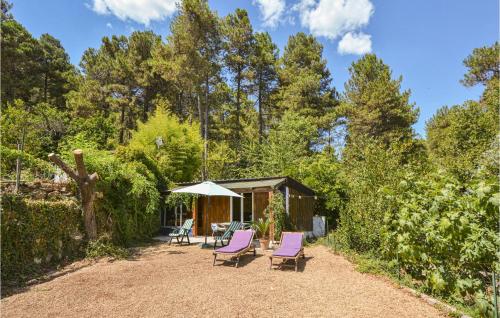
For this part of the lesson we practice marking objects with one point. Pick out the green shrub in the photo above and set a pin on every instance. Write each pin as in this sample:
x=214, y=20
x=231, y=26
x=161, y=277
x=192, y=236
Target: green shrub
x=130, y=198
x=103, y=247
x=32, y=167
x=37, y=234
x=444, y=233
x=368, y=169
x=175, y=147
x=132, y=176
x=262, y=227
x=281, y=222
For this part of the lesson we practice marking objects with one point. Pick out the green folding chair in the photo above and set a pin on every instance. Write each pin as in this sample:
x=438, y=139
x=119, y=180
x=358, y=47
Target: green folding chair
x=233, y=226
x=182, y=232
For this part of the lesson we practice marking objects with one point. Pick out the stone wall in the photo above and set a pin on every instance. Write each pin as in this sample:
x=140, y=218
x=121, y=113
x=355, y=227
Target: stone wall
x=41, y=189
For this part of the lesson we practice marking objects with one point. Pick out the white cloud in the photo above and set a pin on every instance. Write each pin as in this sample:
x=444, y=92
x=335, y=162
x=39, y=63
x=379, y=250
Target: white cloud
x=143, y=11
x=271, y=11
x=333, y=18
x=355, y=43
x=109, y=25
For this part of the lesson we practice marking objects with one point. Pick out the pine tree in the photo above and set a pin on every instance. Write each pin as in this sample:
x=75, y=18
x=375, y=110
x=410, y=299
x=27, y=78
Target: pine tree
x=126, y=84
x=459, y=137
x=305, y=81
x=374, y=104
x=57, y=71
x=196, y=43
x=238, y=44
x=265, y=76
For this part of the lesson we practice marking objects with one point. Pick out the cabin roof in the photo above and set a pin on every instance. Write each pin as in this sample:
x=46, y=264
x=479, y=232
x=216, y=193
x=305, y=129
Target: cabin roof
x=254, y=183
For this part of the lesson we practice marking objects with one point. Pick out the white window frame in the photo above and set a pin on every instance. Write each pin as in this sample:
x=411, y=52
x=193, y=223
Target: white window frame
x=241, y=207
x=241, y=210
x=231, y=210
x=287, y=200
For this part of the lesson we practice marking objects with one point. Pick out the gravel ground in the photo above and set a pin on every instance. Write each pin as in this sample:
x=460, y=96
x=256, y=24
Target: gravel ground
x=181, y=282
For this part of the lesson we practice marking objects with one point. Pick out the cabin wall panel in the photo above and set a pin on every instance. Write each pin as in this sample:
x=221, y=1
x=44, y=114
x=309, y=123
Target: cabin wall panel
x=218, y=213
x=301, y=210
x=261, y=201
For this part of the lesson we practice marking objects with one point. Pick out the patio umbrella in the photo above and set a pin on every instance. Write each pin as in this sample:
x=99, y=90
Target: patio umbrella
x=209, y=189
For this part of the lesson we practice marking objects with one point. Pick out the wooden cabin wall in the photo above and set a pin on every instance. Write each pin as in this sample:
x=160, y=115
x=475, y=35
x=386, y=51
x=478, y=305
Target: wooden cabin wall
x=218, y=213
x=260, y=203
x=301, y=211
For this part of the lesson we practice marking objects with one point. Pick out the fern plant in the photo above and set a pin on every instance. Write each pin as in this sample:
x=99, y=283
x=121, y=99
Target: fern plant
x=262, y=227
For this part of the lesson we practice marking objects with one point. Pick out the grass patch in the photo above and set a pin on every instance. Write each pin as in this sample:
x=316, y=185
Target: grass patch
x=365, y=264
x=103, y=247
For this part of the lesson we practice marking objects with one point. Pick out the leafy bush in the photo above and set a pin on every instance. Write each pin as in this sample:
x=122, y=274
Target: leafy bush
x=281, y=222
x=32, y=166
x=321, y=172
x=130, y=198
x=36, y=234
x=262, y=226
x=103, y=247
x=37, y=125
x=458, y=136
x=444, y=233
x=132, y=177
x=174, y=147
x=176, y=199
x=368, y=168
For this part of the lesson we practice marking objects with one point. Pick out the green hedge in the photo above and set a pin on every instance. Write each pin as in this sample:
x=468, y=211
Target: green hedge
x=37, y=234
x=32, y=166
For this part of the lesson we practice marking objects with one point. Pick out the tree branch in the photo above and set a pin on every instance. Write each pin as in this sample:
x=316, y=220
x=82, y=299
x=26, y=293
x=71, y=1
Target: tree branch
x=55, y=159
x=80, y=166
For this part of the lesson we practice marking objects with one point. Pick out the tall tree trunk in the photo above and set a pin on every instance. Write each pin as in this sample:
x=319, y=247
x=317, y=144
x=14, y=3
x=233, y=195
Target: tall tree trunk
x=45, y=84
x=238, y=101
x=86, y=184
x=200, y=115
x=202, y=134
x=259, y=100
x=122, y=126
x=145, y=108
x=207, y=109
x=179, y=106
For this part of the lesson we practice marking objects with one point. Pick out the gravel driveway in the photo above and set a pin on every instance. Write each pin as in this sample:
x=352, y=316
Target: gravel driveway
x=181, y=282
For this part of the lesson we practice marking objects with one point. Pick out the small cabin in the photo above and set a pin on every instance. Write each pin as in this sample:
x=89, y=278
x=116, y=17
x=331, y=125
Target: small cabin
x=256, y=194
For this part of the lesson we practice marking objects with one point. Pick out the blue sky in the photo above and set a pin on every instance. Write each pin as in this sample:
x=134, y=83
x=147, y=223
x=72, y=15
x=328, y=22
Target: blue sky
x=424, y=41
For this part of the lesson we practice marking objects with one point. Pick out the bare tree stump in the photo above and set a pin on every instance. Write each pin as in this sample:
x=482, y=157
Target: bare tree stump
x=86, y=184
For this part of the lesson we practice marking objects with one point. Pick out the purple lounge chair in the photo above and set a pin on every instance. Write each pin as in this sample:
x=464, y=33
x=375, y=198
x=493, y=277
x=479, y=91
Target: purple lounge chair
x=240, y=243
x=290, y=248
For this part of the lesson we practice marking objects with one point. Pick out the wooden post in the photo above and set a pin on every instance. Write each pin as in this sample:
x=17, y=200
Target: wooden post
x=271, y=218
x=86, y=184
x=195, y=216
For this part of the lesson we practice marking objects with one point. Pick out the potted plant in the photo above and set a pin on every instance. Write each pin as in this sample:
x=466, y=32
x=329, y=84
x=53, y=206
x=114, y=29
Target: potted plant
x=262, y=228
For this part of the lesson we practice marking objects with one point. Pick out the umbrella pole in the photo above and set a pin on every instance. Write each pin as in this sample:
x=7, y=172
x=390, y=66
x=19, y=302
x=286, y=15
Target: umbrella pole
x=206, y=221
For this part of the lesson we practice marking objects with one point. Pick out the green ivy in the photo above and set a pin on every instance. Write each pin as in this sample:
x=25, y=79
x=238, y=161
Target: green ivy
x=128, y=206
x=277, y=205
x=37, y=234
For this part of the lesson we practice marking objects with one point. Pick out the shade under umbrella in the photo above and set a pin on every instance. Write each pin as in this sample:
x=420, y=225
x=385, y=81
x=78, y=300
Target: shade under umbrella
x=209, y=189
